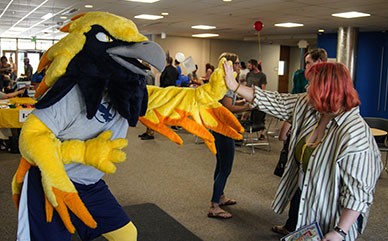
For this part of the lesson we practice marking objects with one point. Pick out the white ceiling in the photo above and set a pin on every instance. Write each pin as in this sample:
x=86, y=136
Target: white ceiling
x=234, y=20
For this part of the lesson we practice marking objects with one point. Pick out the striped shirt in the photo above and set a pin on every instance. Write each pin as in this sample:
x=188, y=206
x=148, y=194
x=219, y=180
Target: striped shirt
x=342, y=171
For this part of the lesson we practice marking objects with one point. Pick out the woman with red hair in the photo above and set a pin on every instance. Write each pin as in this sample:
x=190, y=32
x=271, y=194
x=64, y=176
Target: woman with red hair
x=333, y=160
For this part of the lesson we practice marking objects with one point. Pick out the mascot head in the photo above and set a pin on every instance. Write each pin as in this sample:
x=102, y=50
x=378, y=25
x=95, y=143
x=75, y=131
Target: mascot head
x=103, y=53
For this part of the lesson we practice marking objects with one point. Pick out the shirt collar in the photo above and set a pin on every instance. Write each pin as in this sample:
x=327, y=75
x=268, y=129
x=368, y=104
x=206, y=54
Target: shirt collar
x=341, y=117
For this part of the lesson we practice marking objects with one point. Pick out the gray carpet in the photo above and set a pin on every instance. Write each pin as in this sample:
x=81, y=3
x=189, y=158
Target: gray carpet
x=153, y=223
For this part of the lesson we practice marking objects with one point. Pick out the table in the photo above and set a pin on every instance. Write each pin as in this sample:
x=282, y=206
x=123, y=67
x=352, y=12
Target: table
x=10, y=118
x=378, y=132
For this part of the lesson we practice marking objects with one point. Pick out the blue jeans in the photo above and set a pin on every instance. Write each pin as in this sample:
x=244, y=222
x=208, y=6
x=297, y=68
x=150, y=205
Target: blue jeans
x=225, y=155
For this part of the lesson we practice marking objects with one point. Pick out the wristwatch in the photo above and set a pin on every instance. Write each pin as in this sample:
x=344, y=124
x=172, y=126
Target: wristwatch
x=340, y=231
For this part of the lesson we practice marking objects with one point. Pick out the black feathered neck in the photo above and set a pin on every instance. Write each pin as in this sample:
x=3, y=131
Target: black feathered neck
x=94, y=71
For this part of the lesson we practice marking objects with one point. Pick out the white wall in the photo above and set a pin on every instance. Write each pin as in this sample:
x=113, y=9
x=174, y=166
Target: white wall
x=208, y=50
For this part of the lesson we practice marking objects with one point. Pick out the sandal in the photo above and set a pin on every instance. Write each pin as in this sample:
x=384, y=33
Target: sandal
x=221, y=214
x=280, y=230
x=228, y=202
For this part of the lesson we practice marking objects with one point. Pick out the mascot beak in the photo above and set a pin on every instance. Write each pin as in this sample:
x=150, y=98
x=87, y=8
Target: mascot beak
x=130, y=56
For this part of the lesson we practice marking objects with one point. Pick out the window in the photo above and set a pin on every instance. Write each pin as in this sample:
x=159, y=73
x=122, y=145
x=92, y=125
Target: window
x=282, y=68
x=8, y=44
x=26, y=44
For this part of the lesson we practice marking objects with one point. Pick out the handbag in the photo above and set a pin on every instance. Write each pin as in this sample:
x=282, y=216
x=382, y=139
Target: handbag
x=279, y=169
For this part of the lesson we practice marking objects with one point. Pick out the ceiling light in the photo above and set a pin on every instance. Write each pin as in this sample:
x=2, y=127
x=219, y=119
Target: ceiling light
x=148, y=16
x=17, y=29
x=47, y=16
x=88, y=6
x=205, y=35
x=227, y=0
x=28, y=14
x=203, y=27
x=63, y=17
x=5, y=9
x=289, y=25
x=350, y=15
x=321, y=30
x=164, y=14
x=143, y=1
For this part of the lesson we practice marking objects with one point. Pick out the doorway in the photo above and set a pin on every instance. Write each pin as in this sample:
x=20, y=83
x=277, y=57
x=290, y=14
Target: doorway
x=284, y=65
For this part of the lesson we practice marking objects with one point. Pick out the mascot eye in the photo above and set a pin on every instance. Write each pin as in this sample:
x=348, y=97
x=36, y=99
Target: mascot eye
x=103, y=37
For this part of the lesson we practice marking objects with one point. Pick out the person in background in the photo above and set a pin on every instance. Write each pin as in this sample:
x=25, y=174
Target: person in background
x=194, y=80
x=243, y=73
x=333, y=161
x=255, y=75
x=225, y=151
x=209, y=70
x=150, y=80
x=4, y=96
x=27, y=70
x=169, y=75
x=178, y=67
x=258, y=78
x=299, y=80
x=14, y=69
x=5, y=71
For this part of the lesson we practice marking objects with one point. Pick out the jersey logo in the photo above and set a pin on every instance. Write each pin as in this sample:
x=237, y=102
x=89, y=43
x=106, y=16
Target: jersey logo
x=105, y=113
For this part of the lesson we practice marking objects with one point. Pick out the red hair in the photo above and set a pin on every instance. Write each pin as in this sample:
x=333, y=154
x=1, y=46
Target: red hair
x=331, y=88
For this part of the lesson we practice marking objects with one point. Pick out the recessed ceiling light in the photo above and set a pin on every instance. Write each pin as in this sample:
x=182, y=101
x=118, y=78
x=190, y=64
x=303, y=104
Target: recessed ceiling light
x=321, y=30
x=164, y=14
x=227, y=0
x=88, y=6
x=63, y=17
x=350, y=15
x=148, y=16
x=17, y=29
x=205, y=35
x=203, y=27
x=47, y=16
x=143, y=1
x=289, y=25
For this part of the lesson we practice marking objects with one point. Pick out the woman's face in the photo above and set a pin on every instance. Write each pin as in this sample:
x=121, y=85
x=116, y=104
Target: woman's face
x=236, y=66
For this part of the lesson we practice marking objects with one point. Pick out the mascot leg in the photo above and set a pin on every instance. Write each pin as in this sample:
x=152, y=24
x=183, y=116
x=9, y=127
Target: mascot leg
x=32, y=223
x=126, y=233
x=97, y=197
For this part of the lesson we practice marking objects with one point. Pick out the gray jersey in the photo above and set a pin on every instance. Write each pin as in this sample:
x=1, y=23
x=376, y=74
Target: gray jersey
x=67, y=120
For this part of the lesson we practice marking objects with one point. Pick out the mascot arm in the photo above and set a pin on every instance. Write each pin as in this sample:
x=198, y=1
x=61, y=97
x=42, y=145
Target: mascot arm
x=40, y=147
x=193, y=109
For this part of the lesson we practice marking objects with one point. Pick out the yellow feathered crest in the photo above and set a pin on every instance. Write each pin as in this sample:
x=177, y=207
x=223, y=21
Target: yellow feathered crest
x=56, y=59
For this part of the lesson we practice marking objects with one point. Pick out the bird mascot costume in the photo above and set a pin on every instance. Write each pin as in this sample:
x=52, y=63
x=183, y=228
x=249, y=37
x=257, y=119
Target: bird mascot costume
x=93, y=90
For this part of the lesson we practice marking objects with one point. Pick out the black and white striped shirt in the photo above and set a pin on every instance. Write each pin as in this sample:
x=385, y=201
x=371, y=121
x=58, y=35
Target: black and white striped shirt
x=342, y=171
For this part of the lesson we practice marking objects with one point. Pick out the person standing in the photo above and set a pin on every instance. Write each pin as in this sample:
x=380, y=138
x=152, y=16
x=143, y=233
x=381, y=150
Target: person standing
x=255, y=75
x=333, y=161
x=5, y=71
x=243, y=72
x=169, y=75
x=150, y=80
x=225, y=151
x=312, y=58
x=258, y=78
x=14, y=69
x=27, y=69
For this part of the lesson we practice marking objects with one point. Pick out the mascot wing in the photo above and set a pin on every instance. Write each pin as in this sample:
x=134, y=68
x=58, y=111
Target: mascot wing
x=193, y=109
